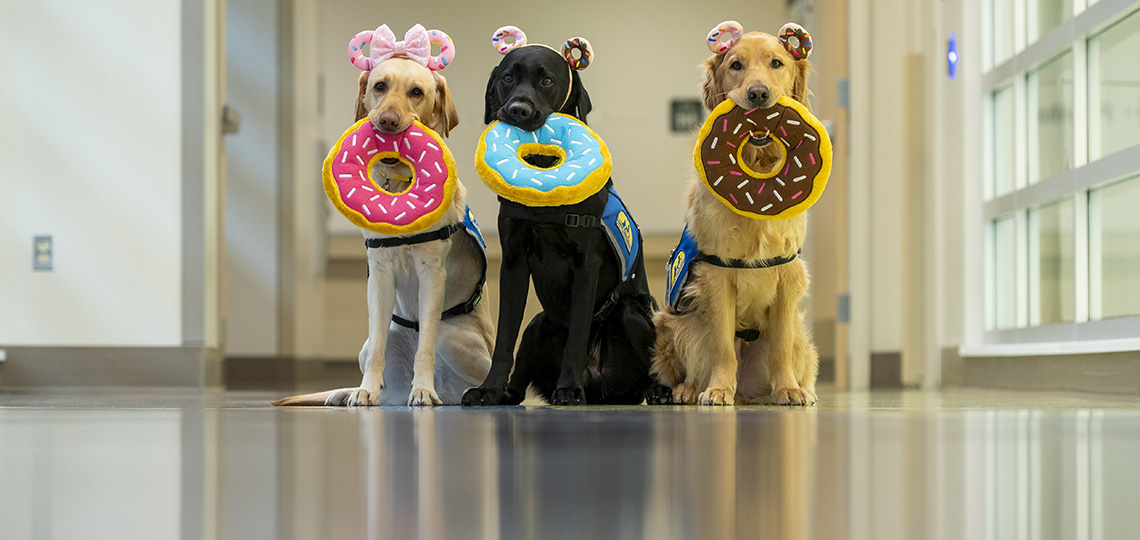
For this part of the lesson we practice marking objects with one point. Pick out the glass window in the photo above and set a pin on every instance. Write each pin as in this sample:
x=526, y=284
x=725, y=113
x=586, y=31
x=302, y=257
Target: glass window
x=1004, y=280
x=1051, y=287
x=1114, y=88
x=1002, y=174
x=1114, y=250
x=1045, y=15
x=1003, y=30
x=1050, y=103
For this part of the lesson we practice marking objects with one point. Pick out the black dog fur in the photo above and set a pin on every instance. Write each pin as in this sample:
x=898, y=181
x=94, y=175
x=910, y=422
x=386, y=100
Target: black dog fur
x=569, y=357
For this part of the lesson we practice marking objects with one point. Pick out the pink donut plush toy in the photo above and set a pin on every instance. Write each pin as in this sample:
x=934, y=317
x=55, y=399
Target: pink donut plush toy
x=347, y=170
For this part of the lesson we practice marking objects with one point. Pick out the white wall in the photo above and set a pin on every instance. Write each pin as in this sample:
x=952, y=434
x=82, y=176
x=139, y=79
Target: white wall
x=90, y=141
x=252, y=179
x=646, y=54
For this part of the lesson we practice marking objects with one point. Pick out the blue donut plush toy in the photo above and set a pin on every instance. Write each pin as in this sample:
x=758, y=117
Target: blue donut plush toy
x=582, y=166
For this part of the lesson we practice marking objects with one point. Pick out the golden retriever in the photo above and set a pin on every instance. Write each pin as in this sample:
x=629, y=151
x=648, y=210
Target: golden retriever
x=696, y=354
x=417, y=282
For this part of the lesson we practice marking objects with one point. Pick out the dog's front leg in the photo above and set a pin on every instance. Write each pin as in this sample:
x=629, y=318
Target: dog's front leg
x=570, y=389
x=720, y=329
x=782, y=321
x=432, y=274
x=514, y=286
x=381, y=302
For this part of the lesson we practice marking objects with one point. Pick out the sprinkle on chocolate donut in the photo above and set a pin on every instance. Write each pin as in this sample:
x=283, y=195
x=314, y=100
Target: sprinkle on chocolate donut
x=784, y=193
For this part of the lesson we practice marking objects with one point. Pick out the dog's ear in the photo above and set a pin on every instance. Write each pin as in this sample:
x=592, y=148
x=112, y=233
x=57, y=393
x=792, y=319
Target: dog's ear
x=711, y=94
x=361, y=109
x=491, y=101
x=444, y=116
x=578, y=104
x=800, y=90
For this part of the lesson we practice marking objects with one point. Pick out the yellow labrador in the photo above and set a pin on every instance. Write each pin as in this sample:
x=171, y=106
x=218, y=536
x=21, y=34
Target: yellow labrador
x=417, y=282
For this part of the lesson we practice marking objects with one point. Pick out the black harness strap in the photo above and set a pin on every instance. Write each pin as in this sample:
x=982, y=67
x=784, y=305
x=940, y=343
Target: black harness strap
x=421, y=238
x=738, y=263
x=439, y=234
x=750, y=334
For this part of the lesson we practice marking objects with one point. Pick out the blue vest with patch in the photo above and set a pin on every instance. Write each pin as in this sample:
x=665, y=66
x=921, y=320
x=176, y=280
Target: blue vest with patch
x=677, y=271
x=623, y=233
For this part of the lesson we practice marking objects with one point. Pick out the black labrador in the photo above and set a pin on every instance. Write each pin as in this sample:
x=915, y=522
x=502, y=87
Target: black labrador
x=592, y=342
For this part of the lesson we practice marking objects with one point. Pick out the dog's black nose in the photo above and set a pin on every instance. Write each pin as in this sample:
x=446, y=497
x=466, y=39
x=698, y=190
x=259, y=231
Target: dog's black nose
x=758, y=95
x=388, y=121
x=519, y=112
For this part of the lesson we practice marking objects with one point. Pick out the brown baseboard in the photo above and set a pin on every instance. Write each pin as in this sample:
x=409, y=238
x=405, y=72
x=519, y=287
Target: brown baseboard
x=886, y=369
x=111, y=366
x=288, y=374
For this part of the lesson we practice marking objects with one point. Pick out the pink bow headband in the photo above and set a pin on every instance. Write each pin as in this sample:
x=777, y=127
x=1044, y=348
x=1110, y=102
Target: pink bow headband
x=416, y=46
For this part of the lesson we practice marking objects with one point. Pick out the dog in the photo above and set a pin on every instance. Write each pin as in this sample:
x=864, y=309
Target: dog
x=417, y=282
x=591, y=343
x=696, y=356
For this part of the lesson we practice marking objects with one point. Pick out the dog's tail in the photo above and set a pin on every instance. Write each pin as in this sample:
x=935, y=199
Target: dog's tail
x=667, y=367
x=318, y=399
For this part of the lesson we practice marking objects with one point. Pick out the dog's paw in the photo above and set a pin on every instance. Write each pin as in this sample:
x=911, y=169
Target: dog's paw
x=362, y=398
x=716, y=396
x=792, y=396
x=568, y=395
x=659, y=394
x=512, y=397
x=479, y=396
x=339, y=398
x=421, y=397
x=684, y=394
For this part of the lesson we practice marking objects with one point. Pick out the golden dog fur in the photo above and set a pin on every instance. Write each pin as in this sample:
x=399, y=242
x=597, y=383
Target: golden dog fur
x=696, y=354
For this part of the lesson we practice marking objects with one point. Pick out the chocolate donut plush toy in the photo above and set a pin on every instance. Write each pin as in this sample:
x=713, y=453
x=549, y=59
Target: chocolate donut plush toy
x=801, y=177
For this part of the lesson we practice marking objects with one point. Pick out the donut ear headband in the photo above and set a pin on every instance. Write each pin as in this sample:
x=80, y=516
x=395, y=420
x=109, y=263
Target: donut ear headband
x=792, y=36
x=577, y=43
x=416, y=46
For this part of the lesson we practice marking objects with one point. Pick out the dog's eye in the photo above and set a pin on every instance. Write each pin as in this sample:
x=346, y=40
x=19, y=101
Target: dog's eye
x=547, y=81
x=416, y=92
x=380, y=87
x=776, y=63
x=508, y=79
x=737, y=65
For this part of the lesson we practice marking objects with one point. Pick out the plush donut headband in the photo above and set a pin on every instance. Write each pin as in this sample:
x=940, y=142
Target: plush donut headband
x=580, y=44
x=793, y=37
x=416, y=46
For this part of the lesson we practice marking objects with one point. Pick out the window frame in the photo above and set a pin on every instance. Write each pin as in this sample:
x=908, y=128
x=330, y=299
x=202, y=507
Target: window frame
x=1072, y=36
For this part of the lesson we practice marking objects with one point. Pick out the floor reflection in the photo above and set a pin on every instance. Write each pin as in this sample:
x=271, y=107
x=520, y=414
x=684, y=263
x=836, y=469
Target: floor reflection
x=869, y=466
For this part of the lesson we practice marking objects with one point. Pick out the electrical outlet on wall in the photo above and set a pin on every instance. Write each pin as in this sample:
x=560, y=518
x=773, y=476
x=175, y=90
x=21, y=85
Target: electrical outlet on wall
x=42, y=257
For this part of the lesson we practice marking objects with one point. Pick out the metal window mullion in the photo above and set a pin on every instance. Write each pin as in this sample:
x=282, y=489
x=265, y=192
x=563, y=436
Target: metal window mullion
x=1034, y=262
x=1020, y=132
x=990, y=282
x=1019, y=28
x=1095, y=256
x=1080, y=104
x=1081, y=255
x=1021, y=241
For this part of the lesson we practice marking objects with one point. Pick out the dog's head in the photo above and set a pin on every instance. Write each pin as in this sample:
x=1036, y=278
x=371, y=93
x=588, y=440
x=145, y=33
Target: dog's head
x=533, y=81
x=754, y=70
x=401, y=82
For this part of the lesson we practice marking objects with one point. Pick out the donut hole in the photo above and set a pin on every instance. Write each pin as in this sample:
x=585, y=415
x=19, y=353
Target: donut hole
x=576, y=53
x=542, y=156
x=380, y=172
x=509, y=40
x=436, y=49
x=794, y=41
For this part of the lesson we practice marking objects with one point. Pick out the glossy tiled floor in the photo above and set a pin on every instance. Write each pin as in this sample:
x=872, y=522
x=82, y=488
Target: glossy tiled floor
x=951, y=465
